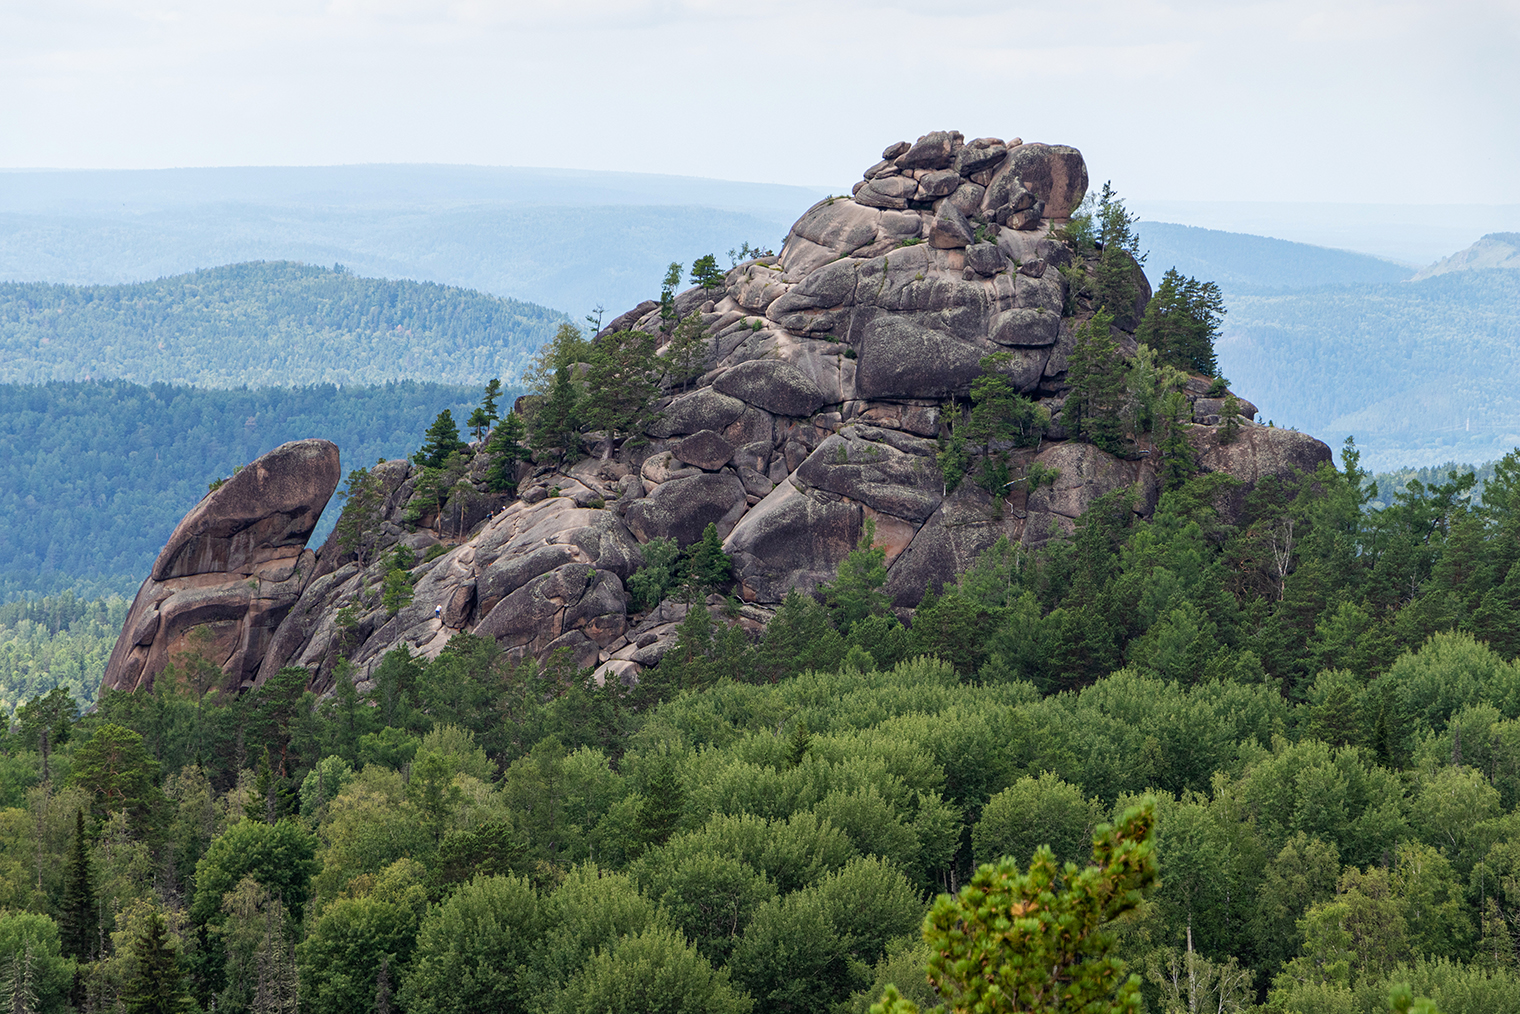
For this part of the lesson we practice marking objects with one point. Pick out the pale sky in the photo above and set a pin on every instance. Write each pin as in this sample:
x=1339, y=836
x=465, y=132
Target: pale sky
x=1286, y=100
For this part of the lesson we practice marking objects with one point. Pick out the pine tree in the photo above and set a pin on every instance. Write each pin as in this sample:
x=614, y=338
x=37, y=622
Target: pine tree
x=77, y=920
x=506, y=449
x=705, y=272
x=708, y=567
x=557, y=423
x=621, y=393
x=1182, y=323
x=1096, y=376
x=856, y=591
x=441, y=440
x=488, y=402
x=157, y=983
x=566, y=348
x=1119, y=259
x=668, y=316
x=363, y=498
x=690, y=348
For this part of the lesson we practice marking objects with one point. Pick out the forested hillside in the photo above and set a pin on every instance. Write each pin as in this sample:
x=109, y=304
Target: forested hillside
x=94, y=476
x=266, y=324
x=1242, y=263
x=1322, y=699
x=1418, y=372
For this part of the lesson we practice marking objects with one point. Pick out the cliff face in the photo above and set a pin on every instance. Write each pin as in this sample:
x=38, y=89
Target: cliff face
x=832, y=369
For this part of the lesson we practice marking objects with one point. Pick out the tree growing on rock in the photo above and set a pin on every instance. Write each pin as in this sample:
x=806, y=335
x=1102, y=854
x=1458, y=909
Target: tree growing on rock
x=706, y=273
x=689, y=350
x=506, y=449
x=1096, y=376
x=566, y=348
x=856, y=592
x=441, y=440
x=557, y=423
x=1001, y=416
x=363, y=498
x=1119, y=257
x=1182, y=323
x=620, y=391
x=668, y=316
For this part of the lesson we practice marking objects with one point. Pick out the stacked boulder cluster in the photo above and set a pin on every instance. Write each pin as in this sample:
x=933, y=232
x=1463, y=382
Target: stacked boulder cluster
x=835, y=370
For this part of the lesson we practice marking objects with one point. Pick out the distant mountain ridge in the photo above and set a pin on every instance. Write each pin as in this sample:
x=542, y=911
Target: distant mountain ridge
x=1245, y=263
x=1496, y=250
x=272, y=324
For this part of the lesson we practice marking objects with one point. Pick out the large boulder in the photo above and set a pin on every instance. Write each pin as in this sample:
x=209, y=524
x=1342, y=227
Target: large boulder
x=231, y=570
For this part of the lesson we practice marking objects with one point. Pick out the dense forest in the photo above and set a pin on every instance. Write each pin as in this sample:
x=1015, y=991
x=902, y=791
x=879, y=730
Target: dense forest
x=276, y=324
x=1419, y=372
x=94, y=476
x=1320, y=697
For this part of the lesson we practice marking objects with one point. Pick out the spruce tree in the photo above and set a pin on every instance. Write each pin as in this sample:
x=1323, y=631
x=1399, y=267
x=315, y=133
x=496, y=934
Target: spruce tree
x=708, y=567
x=363, y=498
x=690, y=348
x=441, y=440
x=77, y=920
x=157, y=983
x=1119, y=259
x=705, y=272
x=557, y=423
x=1182, y=323
x=1096, y=377
x=506, y=450
x=856, y=591
x=668, y=316
x=621, y=393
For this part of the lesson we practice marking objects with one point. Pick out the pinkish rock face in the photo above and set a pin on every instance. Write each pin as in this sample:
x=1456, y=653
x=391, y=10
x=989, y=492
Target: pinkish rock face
x=232, y=569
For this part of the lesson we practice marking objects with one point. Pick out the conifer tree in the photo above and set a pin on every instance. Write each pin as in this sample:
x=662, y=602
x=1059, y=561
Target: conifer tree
x=668, y=316
x=856, y=591
x=689, y=350
x=77, y=920
x=506, y=449
x=620, y=392
x=1096, y=377
x=157, y=983
x=488, y=402
x=1182, y=322
x=441, y=440
x=705, y=272
x=566, y=348
x=363, y=496
x=708, y=567
x=557, y=423
x=18, y=988
x=1118, y=259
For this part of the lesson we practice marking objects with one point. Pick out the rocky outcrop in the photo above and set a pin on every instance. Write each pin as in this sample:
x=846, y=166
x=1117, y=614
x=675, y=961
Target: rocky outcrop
x=231, y=571
x=836, y=367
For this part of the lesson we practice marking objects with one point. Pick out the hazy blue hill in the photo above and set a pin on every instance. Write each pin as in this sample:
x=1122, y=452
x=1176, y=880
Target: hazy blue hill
x=1242, y=263
x=266, y=324
x=94, y=477
x=563, y=238
x=1419, y=372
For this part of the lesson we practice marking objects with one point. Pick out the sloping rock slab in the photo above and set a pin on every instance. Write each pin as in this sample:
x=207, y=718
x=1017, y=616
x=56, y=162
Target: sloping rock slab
x=773, y=385
x=682, y=508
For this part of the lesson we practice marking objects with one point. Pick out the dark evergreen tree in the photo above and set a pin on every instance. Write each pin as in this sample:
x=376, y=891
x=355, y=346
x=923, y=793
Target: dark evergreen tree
x=856, y=591
x=1096, y=376
x=78, y=921
x=1182, y=323
x=620, y=389
x=441, y=440
x=157, y=983
x=1119, y=258
x=668, y=315
x=708, y=567
x=690, y=349
x=706, y=273
x=506, y=449
x=557, y=423
x=363, y=497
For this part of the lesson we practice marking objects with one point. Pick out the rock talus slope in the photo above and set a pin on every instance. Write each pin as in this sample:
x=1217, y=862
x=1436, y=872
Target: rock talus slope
x=833, y=369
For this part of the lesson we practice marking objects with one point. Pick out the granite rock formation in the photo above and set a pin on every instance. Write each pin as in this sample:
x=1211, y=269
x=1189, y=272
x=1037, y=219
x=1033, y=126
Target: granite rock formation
x=832, y=371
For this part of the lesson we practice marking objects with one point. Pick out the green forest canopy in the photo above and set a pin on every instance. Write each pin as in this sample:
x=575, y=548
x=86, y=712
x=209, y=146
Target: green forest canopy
x=266, y=323
x=1323, y=699
x=94, y=476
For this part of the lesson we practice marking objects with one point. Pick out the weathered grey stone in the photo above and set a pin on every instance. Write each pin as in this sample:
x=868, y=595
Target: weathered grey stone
x=1033, y=328
x=935, y=150
x=826, y=287
x=985, y=259
x=950, y=229
x=703, y=409
x=791, y=540
x=754, y=287
x=772, y=385
x=887, y=192
x=972, y=159
x=940, y=183
x=535, y=610
x=893, y=150
x=682, y=508
x=1055, y=173
x=903, y=359
x=874, y=473
x=968, y=198
x=705, y=449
